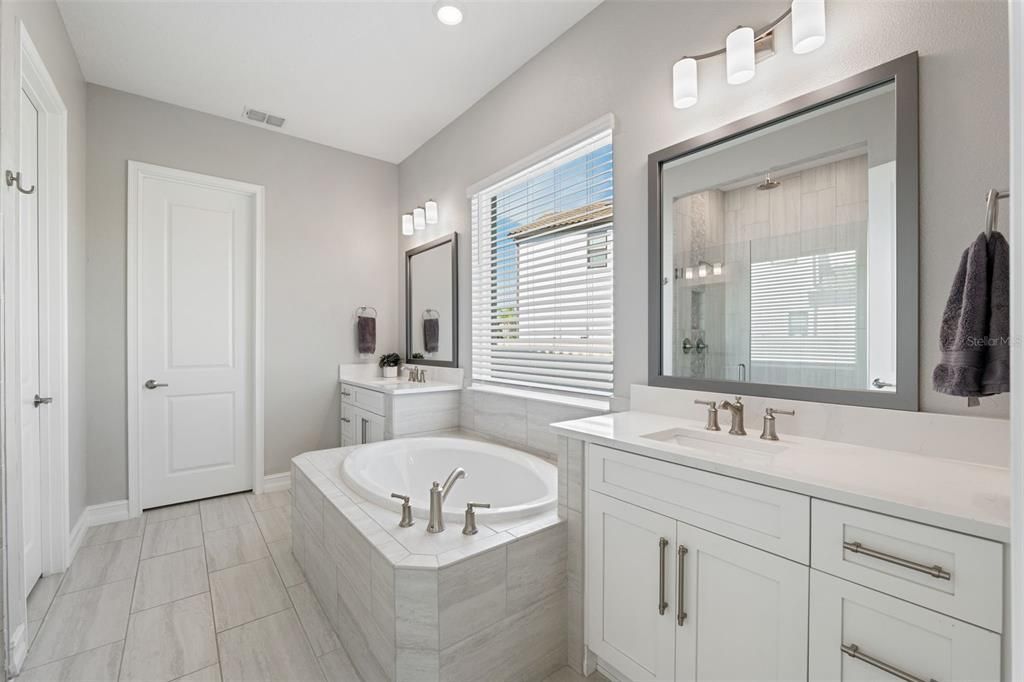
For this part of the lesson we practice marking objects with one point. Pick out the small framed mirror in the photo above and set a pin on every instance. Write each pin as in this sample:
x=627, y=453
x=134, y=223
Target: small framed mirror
x=432, y=303
x=783, y=249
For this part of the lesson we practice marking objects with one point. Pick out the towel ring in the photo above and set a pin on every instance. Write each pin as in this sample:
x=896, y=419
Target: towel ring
x=427, y=314
x=363, y=308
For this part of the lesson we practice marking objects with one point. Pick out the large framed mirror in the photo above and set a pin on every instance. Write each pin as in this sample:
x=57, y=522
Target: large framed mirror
x=784, y=249
x=432, y=303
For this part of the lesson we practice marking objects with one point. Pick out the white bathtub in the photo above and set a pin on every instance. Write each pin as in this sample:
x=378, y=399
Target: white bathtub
x=514, y=483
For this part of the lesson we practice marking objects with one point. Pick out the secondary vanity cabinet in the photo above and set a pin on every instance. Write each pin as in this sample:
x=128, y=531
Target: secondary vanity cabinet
x=396, y=410
x=697, y=576
x=363, y=415
x=669, y=600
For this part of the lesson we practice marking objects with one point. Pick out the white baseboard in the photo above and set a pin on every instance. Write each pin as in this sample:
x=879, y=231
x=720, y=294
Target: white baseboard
x=274, y=482
x=95, y=515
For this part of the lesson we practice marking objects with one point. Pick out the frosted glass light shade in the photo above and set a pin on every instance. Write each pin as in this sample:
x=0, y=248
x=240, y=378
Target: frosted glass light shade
x=684, y=83
x=739, y=56
x=407, y=228
x=808, y=25
x=419, y=219
x=430, y=208
x=448, y=13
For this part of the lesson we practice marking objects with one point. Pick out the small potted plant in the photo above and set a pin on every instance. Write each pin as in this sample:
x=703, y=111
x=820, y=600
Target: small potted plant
x=389, y=363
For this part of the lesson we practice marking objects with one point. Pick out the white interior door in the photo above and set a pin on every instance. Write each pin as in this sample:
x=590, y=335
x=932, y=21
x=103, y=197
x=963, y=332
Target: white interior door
x=195, y=334
x=28, y=225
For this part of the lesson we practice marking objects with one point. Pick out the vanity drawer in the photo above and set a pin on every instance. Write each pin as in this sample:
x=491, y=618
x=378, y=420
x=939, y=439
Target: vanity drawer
x=952, y=573
x=881, y=631
x=371, y=401
x=773, y=520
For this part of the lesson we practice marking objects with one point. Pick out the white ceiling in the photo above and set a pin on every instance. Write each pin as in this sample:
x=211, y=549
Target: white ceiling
x=377, y=78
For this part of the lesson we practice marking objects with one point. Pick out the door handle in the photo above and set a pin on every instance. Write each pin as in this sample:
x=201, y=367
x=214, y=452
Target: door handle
x=662, y=604
x=37, y=401
x=152, y=383
x=680, y=601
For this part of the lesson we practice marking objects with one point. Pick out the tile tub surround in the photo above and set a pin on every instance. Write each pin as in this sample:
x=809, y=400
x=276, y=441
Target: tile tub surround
x=411, y=606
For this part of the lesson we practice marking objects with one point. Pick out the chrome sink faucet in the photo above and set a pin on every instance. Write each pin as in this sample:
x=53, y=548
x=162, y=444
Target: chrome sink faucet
x=736, y=410
x=438, y=494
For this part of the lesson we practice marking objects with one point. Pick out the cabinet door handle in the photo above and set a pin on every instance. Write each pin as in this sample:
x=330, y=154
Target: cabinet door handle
x=662, y=604
x=933, y=571
x=680, y=599
x=853, y=651
x=362, y=430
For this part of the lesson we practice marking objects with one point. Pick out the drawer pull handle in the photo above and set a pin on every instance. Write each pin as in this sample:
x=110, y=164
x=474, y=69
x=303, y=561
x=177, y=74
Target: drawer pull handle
x=853, y=651
x=345, y=394
x=933, y=571
x=662, y=604
x=680, y=601
x=346, y=420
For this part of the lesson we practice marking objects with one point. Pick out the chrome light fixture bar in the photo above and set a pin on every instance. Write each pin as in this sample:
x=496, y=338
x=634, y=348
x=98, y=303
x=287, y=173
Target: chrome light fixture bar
x=743, y=45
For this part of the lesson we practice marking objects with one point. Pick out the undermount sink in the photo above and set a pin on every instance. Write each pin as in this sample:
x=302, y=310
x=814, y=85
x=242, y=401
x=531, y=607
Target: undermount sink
x=711, y=440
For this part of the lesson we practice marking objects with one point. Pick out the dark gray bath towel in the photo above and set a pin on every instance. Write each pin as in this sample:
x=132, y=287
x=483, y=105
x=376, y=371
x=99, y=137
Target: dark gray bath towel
x=965, y=326
x=996, y=376
x=366, y=332
x=431, y=334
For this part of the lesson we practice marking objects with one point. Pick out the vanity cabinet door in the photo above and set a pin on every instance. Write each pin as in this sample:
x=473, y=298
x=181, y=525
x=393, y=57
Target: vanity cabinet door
x=367, y=427
x=891, y=639
x=630, y=564
x=746, y=611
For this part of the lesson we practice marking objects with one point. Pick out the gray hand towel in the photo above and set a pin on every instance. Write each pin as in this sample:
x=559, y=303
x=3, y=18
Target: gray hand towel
x=996, y=375
x=965, y=326
x=366, y=333
x=431, y=334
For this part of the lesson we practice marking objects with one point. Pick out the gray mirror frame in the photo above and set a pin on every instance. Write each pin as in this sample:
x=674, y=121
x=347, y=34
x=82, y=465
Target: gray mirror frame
x=904, y=73
x=453, y=240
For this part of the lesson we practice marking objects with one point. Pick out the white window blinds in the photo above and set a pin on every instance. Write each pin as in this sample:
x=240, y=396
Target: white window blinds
x=542, y=275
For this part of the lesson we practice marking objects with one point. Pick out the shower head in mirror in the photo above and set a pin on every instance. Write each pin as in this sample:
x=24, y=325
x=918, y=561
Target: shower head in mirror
x=768, y=183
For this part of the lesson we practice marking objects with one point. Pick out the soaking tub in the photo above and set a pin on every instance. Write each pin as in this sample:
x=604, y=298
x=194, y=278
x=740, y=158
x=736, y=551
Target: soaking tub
x=514, y=483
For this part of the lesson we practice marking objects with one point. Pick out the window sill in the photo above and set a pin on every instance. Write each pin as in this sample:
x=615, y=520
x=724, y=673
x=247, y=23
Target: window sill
x=585, y=403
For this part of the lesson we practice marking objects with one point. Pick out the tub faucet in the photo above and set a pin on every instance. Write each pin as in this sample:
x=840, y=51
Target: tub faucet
x=438, y=494
x=736, y=410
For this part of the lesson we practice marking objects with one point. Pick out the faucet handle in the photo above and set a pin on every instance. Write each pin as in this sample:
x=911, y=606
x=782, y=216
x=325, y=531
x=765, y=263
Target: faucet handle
x=768, y=431
x=406, y=510
x=771, y=410
x=470, y=527
x=712, y=424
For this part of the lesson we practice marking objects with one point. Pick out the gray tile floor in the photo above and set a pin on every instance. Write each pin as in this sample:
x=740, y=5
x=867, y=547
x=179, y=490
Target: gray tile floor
x=199, y=592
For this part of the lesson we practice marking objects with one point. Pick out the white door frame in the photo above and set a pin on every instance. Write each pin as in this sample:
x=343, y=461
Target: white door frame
x=23, y=67
x=1016, y=201
x=136, y=172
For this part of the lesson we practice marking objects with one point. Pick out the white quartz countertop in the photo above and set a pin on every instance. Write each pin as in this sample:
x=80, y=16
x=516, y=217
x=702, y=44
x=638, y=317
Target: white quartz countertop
x=399, y=386
x=962, y=496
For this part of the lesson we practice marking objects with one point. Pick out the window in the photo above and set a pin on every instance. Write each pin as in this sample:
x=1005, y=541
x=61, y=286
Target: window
x=542, y=275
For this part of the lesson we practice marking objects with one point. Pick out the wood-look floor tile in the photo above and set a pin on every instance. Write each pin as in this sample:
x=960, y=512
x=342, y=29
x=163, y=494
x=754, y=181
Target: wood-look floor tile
x=337, y=666
x=174, y=511
x=224, y=512
x=275, y=523
x=169, y=577
x=278, y=498
x=247, y=592
x=169, y=641
x=109, y=532
x=96, y=665
x=101, y=564
x=269, y=649
x=175, y=535
x=80, y=621
x=211, y=674
x=42, y=594
x=235, y=545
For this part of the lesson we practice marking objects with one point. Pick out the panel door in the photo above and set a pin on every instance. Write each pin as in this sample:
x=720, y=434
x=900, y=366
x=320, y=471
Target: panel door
x=195, y=340
x=630, y=620
x=746, y=611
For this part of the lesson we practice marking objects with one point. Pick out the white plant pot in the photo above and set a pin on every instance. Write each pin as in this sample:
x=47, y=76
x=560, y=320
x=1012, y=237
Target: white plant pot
x=390, y=372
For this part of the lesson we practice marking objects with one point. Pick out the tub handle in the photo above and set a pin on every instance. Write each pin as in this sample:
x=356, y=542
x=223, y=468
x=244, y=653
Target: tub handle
x=406, y=510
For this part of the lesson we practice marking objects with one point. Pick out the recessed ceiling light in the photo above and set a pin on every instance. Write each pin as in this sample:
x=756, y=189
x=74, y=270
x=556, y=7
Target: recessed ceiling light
x=448, y=13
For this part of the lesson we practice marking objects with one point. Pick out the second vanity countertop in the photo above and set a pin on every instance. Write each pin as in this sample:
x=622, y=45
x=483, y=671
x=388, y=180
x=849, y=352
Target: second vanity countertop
x=962, y=496
x=400, y=385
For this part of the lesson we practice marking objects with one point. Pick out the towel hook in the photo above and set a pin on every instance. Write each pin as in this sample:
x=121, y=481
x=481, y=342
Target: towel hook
x=363, y=308
x=427, y=314
x=14, y=179
x=992, y=210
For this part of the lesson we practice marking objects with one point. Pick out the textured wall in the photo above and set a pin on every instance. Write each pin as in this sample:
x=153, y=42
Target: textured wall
x=619, y=58
x=331, y=229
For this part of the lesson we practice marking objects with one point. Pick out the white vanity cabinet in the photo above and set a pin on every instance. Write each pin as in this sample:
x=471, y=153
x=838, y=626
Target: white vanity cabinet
x=692, y=575
x=368, y=415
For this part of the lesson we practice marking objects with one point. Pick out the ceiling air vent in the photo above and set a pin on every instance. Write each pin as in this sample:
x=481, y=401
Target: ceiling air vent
x=262, y=117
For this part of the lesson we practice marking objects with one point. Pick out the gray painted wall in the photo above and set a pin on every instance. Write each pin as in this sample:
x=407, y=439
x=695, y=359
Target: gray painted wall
x=619, y=58
x=46, y=27
x=331, y=229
